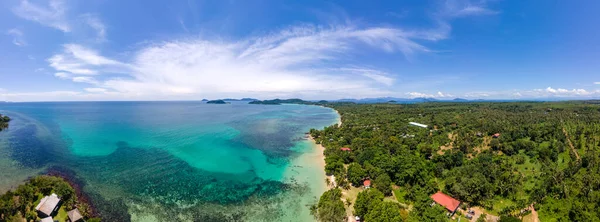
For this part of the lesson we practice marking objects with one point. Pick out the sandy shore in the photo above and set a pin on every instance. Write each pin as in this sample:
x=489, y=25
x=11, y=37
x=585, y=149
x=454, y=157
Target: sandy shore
x=318, y=158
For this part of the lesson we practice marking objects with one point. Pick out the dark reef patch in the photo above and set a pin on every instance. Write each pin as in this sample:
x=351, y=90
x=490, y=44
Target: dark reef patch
x=28, y=149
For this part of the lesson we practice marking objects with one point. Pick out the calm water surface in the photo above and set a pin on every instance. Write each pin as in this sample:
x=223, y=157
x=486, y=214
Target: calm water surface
x=155, y=161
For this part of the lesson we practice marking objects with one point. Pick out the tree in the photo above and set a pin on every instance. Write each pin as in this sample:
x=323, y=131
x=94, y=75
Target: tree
x=366, y=201
x=356, y=174
x=505, y=218
x=385, y=212
x=482, y=218
x=330, y=207
x=383, y=183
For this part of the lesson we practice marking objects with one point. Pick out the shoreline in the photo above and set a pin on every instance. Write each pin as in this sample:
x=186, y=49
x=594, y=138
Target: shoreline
x=319, y=153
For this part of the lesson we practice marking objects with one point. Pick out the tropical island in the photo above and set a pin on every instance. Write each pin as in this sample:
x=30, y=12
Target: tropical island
x=281, y=101
x=44, y=198
x=4, y=122
x=478, y=161
x=219, y=101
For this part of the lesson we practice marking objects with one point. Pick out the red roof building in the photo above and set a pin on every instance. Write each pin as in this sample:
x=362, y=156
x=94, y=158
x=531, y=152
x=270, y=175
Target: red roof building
x=448, y=202
x=345, y=149
x=367, y=183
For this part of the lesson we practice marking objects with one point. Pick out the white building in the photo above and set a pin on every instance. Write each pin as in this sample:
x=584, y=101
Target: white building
x=417, y=124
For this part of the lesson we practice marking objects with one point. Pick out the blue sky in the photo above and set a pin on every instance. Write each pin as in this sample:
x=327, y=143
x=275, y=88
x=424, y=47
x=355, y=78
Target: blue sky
x=54, y=50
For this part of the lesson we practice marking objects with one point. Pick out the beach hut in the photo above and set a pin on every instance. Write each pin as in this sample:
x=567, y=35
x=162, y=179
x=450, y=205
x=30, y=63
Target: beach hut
x=345, y=149
x=48, y=205
x=367, y=184
x=446, y=201
x=417, y=124
x=75, y=215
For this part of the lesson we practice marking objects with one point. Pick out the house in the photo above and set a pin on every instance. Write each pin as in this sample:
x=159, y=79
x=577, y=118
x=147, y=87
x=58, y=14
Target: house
x=345, y=149
x=479, y=134
x=74, y=215
x=446, y=201
x=48, y=205
x=367, y=184
x=417, y=124
x=496, y=135
x=47, y=219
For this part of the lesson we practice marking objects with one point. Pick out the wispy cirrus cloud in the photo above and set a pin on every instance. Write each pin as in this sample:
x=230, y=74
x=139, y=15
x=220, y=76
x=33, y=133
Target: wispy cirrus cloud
x=77, y=59
x=597, y=83
x=55, y=14
x=464, y=8
x=18, y=37
x=94, y=22
x=299, y=61
x=51, y=15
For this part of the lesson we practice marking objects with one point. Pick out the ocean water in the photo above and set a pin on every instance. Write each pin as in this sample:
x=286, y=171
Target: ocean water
x=172, y=161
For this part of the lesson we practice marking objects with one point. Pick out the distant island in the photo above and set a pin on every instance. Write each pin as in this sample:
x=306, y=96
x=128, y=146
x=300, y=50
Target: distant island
x=281, y=101
x=243, y=99
x=4, y=122
x=219, y=101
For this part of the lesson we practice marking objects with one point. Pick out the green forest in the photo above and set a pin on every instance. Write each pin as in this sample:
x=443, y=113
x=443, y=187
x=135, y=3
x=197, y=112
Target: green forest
x=4, y=122
x=19, y=205
x=501, y=157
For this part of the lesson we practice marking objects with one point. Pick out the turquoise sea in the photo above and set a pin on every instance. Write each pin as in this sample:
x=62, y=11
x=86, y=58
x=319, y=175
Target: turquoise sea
x=172, y=161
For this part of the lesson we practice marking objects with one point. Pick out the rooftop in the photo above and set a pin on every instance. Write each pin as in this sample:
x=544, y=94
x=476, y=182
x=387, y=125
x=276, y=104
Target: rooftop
x=417, y=124
x=48, y=204
x=448, y=202
x=367, y=183
x=74, y=215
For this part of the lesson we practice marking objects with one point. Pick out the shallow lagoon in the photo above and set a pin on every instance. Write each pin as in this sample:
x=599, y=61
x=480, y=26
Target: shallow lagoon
x=155, y=161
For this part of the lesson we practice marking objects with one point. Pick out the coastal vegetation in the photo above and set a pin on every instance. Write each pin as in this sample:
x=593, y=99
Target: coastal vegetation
x=282, y=101
x=503, y=157
x=4, y=122
x=20, y=204
x=219, y=101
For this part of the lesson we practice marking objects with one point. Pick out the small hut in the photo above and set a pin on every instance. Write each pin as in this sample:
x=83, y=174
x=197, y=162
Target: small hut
x=367, y=184
x=75, y=215
x=345, y=149
x=496, y=135
x=48, y=205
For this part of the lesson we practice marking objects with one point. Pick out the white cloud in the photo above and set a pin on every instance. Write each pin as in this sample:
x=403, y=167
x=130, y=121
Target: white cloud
x=95, y=23
x=464, y=8
x=300, y=61
x=561, y=92
x=439, y=95
x=52, y=15
x=472, y=10
x=39, y=96
x=85, y=79
x=95, y=90
x=17, y=37
x=80, y=60
x=419, y=95
x=62, y=75
x=376, y=75
x=597, y=83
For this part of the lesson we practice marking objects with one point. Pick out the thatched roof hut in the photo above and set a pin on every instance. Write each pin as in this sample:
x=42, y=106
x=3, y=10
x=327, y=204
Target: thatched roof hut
x=75, y=215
